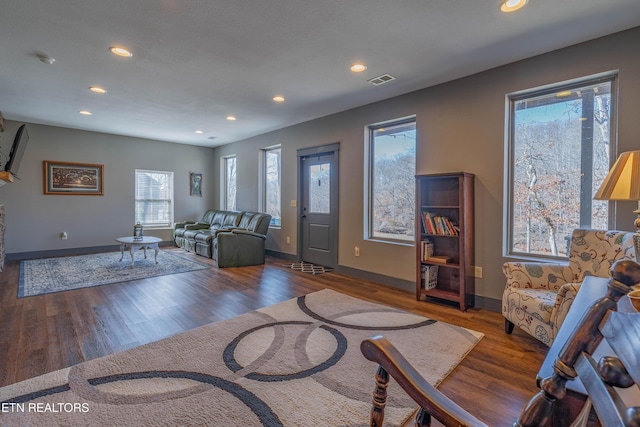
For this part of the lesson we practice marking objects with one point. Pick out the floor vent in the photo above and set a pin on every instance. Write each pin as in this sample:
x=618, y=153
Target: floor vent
x=381, y=79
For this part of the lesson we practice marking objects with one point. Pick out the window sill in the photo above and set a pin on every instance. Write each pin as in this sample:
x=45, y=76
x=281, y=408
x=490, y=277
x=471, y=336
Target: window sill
x=536, y=258
x=410, y=244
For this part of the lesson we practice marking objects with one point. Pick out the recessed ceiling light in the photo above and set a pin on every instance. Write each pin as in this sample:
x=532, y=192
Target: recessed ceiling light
x=358, y=68
x=278, y=98
x=97, y=89
x=564, y=94
x=199, y=132
x=120, y=51
x=85, y=112
x=512, y=5
x=231, y=118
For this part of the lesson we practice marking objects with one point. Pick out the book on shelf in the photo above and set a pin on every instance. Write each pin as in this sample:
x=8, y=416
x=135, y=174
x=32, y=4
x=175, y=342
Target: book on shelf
x=438, y=259
x=426, y=249
x=427, y=226
x=439, y=224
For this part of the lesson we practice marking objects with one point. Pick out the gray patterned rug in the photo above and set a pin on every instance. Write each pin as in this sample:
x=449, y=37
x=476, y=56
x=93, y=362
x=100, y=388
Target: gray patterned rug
x=47, y=275
x=297, y=363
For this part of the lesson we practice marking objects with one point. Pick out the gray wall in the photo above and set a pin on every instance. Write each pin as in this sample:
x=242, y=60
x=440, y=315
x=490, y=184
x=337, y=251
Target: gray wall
x=461, y=127
x=34, y=220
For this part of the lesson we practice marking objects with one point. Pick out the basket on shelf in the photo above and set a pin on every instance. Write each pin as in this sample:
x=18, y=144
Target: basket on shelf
x=429, y=276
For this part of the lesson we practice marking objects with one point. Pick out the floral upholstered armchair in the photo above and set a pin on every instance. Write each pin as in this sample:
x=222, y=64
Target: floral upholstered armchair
x=538, y=295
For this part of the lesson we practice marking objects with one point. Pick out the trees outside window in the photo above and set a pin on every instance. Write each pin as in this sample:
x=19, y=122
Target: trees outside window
x=154, y=198
x=271, y=202
x=559, y=153
x=229, y=183
x=392, y=169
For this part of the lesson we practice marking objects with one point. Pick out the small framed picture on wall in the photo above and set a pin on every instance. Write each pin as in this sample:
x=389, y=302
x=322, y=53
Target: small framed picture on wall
x=195, y=184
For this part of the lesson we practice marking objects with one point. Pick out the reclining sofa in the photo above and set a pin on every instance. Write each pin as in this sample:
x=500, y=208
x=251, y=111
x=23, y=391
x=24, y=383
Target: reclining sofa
x=232, y=238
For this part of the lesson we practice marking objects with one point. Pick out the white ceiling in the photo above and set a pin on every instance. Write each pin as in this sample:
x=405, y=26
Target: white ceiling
x=196, y=61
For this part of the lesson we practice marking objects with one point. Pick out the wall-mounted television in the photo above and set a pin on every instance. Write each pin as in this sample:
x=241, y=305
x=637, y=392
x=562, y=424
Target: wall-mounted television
x=17, y=150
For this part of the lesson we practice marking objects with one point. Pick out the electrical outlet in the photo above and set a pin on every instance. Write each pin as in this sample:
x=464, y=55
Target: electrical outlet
x=357, y=251
x=288, y=240
x=477, y=272
x=293, y=203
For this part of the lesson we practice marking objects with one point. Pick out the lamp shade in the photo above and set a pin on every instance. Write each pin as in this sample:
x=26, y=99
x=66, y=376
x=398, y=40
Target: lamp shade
x=623, y=180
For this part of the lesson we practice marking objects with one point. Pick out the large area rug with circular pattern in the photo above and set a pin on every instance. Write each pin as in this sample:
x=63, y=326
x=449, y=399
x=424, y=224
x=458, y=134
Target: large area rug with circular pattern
x=296, y=363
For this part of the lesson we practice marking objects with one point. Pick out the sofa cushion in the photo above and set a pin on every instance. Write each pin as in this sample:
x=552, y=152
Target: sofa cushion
x=204, y=236
x=178, y=232
x=247, y=219
x=191, y=234
x=257, y=222
x=207, y=218
x=225, y=219
x=534, y=302
x=593, y=252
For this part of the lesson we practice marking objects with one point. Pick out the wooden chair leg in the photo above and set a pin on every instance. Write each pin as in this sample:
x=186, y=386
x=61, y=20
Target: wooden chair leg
x=379, y=397
x=423, y=419
x=508, y=326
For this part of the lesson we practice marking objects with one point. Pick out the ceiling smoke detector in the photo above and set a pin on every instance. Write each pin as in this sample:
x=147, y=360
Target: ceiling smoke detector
x=385, y=78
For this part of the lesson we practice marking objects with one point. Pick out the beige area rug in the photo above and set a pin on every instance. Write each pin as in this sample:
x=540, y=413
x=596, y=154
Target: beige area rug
x=297, y=363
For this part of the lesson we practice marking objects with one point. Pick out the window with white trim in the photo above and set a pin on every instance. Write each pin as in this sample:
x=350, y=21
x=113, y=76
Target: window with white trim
x=391, y=152
x=271, y=184
x=561, y=140
x=154, y=198
x=228, y=189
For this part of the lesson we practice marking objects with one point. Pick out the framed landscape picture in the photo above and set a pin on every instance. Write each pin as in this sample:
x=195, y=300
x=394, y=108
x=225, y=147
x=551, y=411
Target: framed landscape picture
x=195, y=184
x=73, y=178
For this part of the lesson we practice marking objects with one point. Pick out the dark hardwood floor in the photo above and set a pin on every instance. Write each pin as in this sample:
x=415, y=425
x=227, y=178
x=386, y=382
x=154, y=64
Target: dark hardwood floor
x=49, y=332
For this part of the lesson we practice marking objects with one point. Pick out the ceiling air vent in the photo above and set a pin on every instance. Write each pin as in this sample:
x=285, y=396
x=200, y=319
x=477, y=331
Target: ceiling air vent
x=381, y=79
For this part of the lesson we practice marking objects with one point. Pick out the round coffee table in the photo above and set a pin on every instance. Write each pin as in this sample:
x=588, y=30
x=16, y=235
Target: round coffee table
x=131, y=244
